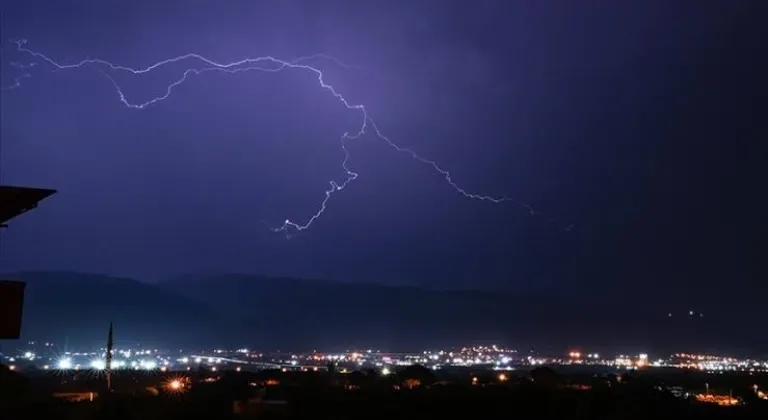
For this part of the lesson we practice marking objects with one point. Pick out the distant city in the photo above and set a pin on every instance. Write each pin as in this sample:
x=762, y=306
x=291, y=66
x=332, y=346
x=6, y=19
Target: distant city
x=174, y=369
x=50, y=356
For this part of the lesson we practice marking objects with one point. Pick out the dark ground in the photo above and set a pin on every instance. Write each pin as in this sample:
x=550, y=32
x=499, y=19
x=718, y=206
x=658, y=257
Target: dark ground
x=412, y=392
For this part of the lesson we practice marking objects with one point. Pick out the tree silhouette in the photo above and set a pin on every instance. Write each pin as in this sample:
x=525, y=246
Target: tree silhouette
x=545, y=376
x=356, y=378
x=416, y=375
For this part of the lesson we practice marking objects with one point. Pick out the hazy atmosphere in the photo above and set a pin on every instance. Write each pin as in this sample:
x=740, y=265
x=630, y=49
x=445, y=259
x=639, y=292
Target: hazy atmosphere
x=625, y=136
x=383, y=209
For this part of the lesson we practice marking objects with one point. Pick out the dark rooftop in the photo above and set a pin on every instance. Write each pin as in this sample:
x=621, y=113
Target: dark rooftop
x=15, y=201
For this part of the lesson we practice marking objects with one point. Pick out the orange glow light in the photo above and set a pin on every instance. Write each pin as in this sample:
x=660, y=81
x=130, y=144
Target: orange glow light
x=175, y=385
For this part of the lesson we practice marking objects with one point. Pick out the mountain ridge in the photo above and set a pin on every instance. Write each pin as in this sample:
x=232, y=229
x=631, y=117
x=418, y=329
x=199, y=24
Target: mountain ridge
x=270, y=312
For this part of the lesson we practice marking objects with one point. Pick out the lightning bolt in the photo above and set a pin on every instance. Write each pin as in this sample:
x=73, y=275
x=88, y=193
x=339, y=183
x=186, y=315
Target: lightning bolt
x=17, y=80
x=272, y=64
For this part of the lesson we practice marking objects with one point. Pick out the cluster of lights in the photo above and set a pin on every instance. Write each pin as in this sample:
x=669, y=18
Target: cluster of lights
x=490, y=357
x=724, y=400
x=579, y=355
x=66, y=363
x=718, y=364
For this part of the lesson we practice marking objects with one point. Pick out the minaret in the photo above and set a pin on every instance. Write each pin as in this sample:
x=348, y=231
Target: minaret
x=108, y=360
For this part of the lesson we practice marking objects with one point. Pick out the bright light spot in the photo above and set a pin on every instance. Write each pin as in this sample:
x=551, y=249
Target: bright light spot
x=11, y=367
x=65, y=363
x=237, y=369
x=198, y=360
x=175, y=385
x=29, y=355
x=385, y=371
x=502, y=377
x=99, y=364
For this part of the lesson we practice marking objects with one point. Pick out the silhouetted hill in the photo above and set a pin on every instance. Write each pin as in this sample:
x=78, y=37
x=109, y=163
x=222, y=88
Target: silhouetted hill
x=297, y=312
x=80, y=306
x=332, y=314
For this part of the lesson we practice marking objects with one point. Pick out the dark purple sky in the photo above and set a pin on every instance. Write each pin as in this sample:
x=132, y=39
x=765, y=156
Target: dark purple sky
x=638, y=122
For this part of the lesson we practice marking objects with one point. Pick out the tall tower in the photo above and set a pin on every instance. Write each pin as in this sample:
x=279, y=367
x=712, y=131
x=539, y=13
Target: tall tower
x=108, y=360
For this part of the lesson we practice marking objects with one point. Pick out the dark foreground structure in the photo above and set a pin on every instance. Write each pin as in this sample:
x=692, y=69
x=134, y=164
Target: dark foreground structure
x=11, y=308
x=15, y=201
x=411, y=393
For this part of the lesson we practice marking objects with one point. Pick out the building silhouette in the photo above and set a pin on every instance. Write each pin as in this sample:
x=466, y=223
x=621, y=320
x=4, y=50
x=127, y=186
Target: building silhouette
x=15, y=201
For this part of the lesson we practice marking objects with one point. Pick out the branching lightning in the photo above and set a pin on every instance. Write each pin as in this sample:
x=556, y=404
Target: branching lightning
x=201, y=65
x=17, y=80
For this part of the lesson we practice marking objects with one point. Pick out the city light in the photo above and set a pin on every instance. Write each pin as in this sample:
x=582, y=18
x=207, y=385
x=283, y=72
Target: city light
x=148, y=364
x=175, y=385
x=480, y=358
x=642, y=360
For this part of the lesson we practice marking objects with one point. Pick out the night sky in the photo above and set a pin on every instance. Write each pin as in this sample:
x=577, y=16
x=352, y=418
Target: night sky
x=634, y=129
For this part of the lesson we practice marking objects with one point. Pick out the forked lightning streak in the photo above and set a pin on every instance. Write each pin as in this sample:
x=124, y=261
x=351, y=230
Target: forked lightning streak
x=200, y=65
